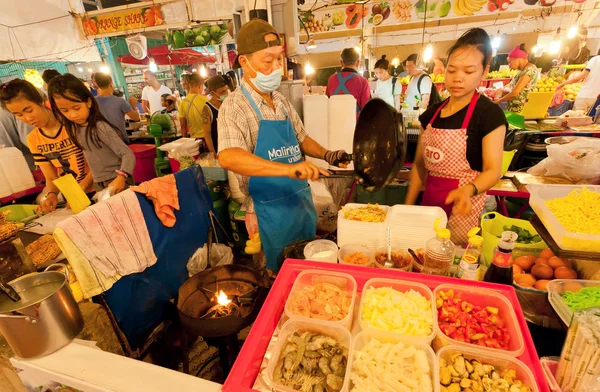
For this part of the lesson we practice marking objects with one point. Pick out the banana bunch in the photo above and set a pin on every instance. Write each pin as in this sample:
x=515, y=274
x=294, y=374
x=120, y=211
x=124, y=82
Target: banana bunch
x=253, y=245
x=468, y=7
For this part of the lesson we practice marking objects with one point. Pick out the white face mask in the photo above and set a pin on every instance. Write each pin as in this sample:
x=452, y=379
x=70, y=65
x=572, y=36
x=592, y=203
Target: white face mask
x=266, y=83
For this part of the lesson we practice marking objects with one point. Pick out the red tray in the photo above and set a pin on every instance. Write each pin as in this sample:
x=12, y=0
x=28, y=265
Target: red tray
x=247, y=366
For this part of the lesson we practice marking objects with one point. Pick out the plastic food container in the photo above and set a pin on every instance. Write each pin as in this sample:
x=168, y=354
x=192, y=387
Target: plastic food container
x=565, y=239
x=486, y=357
x=336, y=332
x=311, y=278
x=557, y=287
x=406, y=257
x=402, y=286
x=549, y=366
x=484, y=298
x=350, y=249
x=364, y=337
x=321, y=250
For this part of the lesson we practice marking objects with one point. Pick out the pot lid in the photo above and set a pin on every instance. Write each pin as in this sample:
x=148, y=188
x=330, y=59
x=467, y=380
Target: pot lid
x=32, y=289
x=379, y=144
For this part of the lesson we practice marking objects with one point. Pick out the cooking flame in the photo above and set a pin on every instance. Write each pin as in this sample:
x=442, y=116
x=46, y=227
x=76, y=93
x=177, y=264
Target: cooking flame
x=222, y=299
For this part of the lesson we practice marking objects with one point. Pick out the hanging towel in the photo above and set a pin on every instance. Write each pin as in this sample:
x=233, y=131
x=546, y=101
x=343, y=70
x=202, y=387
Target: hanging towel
x=162, y=192
x=112, y=235
x=91, y=280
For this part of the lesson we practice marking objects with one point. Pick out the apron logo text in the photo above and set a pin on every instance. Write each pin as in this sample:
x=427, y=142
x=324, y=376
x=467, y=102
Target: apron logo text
x=434, y=155
x=292, y=154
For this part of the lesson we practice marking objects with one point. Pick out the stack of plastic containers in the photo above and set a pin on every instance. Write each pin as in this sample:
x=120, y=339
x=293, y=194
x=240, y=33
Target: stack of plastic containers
x=411, y=227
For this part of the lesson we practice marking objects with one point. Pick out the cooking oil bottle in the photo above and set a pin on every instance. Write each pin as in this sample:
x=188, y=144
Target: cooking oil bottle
x=469, y=263
x=439, y=253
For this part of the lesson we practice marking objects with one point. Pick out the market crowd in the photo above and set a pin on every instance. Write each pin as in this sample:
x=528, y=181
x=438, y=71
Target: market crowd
x=70, y=126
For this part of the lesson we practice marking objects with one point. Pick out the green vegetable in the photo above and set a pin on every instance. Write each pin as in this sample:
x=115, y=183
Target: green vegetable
x=524, y=236
x=585, y=298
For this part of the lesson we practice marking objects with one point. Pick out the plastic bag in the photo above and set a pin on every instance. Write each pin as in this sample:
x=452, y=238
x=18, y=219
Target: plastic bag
x=104, y=194
x=559, y=97
x=219, y=255
x=326, y=208
x=578, y=161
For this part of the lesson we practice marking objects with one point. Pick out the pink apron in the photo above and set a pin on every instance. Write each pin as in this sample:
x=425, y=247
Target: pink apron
x=445, y=155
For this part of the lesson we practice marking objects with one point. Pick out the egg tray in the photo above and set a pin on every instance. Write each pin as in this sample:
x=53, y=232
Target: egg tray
x=247, y=367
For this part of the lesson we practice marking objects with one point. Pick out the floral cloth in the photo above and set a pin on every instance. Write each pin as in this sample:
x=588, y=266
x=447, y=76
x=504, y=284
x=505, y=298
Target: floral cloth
x=516, y=104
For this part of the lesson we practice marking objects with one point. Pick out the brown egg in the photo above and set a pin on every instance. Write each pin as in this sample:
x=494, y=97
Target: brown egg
x=565, y=273
x=542, y=284
x=572, y=287
x=517, y=270
x=542, y=260
x=547, y=253
x=556, y=262
x=525, y=262
x=542, y=271
x=527, y=279
x=526, y=285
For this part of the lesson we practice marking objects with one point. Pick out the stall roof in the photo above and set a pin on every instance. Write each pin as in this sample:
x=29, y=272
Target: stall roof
x=162, y=55
x=43, y=30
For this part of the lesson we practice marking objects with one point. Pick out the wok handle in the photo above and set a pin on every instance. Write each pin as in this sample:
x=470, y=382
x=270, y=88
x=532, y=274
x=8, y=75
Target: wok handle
x=29, y=319
x=59, y=267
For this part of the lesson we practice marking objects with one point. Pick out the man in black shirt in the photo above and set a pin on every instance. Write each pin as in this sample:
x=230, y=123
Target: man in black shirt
x=218, y=90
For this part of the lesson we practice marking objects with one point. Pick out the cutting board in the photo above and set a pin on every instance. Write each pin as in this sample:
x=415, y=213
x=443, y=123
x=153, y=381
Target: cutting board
x=521, y=180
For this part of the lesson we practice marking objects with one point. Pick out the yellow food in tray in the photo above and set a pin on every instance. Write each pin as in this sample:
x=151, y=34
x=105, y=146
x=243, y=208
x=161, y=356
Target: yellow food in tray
x=370, y=213
x=578, y=212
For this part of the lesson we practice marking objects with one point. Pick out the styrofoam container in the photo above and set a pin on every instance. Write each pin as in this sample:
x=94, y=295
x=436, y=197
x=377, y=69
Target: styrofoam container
x=479, y=297
x=402, y=286
x=313, y=248
x=565, y=239
x=310, y=278
x=349, y=249
x=336, y=332
x=556, y=289
x=364, y=337
x=342, y=215
x=411, y=227
x=486, y=357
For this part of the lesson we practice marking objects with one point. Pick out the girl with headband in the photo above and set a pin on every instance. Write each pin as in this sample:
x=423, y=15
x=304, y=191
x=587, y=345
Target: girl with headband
x=522, y=84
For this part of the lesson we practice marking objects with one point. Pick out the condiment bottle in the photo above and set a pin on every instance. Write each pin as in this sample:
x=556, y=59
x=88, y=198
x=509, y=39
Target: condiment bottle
x=501, y=271
x=439, y=253
x=469, y=263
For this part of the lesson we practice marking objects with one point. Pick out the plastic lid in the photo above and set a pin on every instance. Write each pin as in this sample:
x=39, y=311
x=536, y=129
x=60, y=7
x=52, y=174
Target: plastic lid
x=473, y=232
x=476, y=240
x=508, y=240
x=443, y=233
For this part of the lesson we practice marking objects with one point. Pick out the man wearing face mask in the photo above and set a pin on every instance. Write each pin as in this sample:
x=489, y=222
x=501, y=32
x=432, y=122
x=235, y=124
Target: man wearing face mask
x=218, y=90
x=262, y=140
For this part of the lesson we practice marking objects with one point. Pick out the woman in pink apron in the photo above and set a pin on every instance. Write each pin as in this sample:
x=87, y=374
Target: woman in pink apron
x=459, y=156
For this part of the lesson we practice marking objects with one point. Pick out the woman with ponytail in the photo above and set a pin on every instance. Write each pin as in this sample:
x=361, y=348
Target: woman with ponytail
x=388, y=87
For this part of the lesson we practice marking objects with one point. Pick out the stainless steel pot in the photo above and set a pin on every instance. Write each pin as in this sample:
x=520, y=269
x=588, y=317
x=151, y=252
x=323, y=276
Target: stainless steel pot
x=45, y=319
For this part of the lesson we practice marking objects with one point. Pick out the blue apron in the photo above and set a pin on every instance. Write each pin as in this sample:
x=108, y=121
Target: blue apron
x=283, y=206
x=343, y=90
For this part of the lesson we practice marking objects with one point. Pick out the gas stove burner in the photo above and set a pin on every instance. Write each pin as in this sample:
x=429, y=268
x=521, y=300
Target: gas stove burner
x=201, y=312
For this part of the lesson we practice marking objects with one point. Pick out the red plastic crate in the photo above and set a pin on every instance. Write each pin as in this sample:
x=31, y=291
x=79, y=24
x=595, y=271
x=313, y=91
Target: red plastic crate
x=247, y=366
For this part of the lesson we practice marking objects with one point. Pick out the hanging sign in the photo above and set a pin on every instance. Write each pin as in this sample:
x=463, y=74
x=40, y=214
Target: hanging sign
x=123, y=20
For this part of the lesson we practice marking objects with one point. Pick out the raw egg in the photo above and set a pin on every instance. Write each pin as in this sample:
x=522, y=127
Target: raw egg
x=547, y=253
x=542, y=271
x=565, y=273
x=556, y=262
x=542, y=284
x=541, y=260
x=525, y=262
x=525, y=279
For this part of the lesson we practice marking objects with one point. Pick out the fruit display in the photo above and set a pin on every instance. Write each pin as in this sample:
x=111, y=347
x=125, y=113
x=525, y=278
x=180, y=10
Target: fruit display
x=311, y=362
x=198, y=36
x=462, y=374
x=402, y=10
x=572, y=91
x=380, y=366
x=499, y=5
x=545, y=85
x=468, y=7
x=323, y=301
x=534, y=272
x=504, y=74
x=338, y=18
x=405, y=313
x=438, y=78
x=434, y=8
x=316, y=25
x=462, y=321
x=354, y=15
x=379, y=13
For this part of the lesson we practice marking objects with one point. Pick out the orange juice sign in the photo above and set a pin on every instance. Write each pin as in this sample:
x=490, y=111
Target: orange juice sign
x=123, y=20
